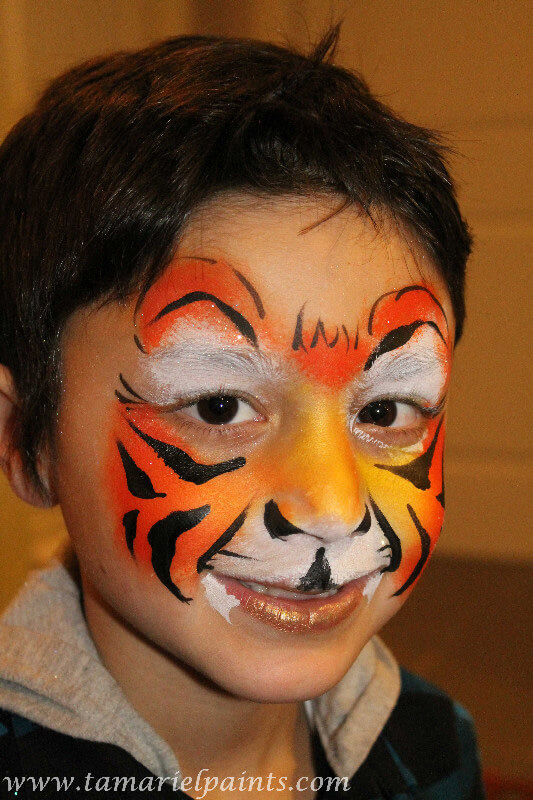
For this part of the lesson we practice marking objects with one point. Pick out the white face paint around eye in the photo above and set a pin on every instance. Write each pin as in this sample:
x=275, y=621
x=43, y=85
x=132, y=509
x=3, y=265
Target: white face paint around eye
x=164, y=506
x=417, y=371
x=200, y=363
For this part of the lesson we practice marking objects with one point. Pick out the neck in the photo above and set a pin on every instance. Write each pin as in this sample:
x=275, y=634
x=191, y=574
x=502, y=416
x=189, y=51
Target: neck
x=195, y=717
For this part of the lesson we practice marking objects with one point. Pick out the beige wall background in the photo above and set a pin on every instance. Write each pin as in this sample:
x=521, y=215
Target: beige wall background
x=461, y=66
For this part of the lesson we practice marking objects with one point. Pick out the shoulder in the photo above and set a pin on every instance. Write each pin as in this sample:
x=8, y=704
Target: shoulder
x=38, y=761
x=427, y=747
x=433, y=733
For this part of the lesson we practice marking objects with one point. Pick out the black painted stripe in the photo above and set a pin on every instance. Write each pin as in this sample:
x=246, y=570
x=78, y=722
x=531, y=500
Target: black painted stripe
x=129, y=520
x=139, y=483
x=417, y=471
x=126, y=400
x=425, y=542
x=129, y=389
x=417, y=288
x=347, y=335
x=138, y=344
x=364, y=525
x=335, y=339
x=440, y=496
x=321, y=331
x=221, y=542
x=276, y=524
x=231, y=554
x=406, y=289
x=183, y=465
x=398, y=338
x=393, y=539
x=253, y=293
x=297, y=339
x=240, y=322
x=162, y=539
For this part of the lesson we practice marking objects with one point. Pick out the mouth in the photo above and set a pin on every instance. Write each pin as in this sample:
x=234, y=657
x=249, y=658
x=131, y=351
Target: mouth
x=272, y=590
x=294, y=611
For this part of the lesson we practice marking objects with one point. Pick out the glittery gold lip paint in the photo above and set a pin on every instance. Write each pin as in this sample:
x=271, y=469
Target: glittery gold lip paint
x=306, y=615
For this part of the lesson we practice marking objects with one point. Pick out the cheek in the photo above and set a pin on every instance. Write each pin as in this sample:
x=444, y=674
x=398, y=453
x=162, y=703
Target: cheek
x=410, y=497
x=170, y=526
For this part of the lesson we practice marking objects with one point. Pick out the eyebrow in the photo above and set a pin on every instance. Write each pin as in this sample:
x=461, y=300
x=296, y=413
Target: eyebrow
x=241, y=323
x=409, y=365
x=418, y=371
x=397, y=338
x=406, y=289
x=202, y=356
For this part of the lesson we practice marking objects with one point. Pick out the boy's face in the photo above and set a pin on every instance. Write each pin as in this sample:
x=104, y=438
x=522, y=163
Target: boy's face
x=249, y=459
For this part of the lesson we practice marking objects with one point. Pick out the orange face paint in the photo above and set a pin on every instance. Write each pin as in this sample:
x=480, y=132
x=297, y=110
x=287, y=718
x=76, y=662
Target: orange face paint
x=181, y=511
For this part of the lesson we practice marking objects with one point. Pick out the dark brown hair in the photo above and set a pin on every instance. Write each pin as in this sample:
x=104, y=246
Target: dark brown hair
x=99, y=179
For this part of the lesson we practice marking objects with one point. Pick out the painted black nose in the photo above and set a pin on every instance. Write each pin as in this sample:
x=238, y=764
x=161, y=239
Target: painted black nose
x=279, y=526
x=276, y=524
x=318, y=576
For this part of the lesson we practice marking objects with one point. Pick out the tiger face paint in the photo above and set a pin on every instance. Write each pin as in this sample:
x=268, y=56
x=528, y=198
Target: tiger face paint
x=207, y=345
x=268, y=446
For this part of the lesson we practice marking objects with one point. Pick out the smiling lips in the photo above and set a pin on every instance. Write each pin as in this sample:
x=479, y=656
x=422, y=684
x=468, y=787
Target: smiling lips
x=295, y=612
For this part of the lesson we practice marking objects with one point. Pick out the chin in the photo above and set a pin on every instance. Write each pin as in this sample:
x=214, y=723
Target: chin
x=253, y=661
x=247, y=655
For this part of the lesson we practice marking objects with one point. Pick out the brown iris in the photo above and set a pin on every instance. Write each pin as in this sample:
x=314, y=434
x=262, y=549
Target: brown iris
x=380, y=412
x=218, y=410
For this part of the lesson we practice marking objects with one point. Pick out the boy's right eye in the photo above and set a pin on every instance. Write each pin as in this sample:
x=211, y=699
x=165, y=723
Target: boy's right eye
x=221, y=410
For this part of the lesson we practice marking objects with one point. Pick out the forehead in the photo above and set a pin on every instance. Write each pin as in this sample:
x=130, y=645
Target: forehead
x=302, y=256
x=296, y=251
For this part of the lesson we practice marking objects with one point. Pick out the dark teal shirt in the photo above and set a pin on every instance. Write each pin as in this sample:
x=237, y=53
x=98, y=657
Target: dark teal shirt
x=426, y=751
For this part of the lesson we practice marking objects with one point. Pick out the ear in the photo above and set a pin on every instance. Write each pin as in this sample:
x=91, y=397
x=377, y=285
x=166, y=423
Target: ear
x=10, y=459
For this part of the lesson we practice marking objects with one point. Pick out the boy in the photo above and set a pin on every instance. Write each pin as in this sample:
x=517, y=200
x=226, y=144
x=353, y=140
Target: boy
x=232, y=282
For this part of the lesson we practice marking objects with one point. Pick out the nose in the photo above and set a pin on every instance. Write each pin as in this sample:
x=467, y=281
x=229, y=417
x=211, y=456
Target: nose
x=319, y=485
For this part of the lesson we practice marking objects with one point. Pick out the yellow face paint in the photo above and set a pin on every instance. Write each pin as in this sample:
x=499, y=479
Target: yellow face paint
x=251, y=454
x=377, y=506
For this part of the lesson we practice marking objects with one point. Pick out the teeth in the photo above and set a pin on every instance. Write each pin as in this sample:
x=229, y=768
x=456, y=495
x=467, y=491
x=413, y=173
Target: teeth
x=273, y=591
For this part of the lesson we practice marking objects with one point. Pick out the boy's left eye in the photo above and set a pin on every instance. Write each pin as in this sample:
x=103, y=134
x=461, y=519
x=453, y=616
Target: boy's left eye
x=389, y=414
x=220, y=410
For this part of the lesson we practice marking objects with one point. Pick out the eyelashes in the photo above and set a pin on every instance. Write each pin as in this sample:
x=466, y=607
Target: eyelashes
x=365, y=413
x=207, y=413
x=387, y=420
x=218, y=414
x=388, y=414
x=221, y=409
x=404, y=423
